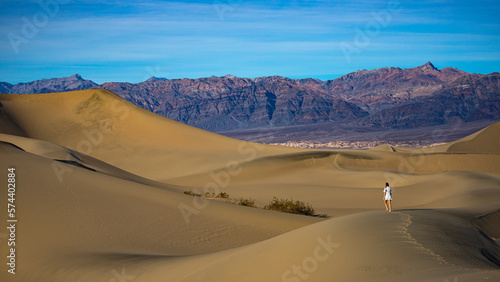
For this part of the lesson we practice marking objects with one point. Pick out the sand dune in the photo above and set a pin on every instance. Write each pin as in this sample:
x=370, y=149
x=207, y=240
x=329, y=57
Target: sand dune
x=100, y=185
x=484, y=141
x=101, y=124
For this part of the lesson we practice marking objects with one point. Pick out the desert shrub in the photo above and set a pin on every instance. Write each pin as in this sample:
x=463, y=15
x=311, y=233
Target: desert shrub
x=191, y=193
x=223, y=195
x=290, y=206
x=246, y=202
x=208, y=195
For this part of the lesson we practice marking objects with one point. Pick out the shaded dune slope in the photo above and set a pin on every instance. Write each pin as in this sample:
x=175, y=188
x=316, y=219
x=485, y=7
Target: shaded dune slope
x=87, y=213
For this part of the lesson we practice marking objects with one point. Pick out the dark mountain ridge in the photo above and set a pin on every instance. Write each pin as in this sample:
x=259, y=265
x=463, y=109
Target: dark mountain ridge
x=385, y=97
x=74, y=82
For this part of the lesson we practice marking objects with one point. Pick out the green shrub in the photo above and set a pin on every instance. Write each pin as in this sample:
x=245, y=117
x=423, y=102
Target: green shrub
x=290, y=206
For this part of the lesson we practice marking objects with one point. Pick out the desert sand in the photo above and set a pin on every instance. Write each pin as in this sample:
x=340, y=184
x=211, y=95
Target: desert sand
x=99, y=197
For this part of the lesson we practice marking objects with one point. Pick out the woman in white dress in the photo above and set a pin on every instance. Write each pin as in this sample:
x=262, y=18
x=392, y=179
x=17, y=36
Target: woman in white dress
x=388, y=197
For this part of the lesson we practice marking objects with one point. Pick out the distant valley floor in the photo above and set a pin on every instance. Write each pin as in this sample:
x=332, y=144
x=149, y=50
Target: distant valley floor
x=340, y=135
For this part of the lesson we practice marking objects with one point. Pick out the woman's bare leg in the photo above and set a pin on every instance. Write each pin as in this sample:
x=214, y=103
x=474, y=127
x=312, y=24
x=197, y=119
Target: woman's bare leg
x=390, y=206
x=386, y=208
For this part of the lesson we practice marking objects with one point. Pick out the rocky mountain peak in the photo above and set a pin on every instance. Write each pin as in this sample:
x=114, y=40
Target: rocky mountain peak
x=154, y=78
x=76, y=77
x=428, y=66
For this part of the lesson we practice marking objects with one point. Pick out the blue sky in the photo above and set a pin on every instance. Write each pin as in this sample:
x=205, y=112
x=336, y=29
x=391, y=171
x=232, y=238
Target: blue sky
x=112, y=40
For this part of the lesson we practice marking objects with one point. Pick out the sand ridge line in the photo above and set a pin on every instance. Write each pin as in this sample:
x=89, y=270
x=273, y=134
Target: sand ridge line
x=336, y=162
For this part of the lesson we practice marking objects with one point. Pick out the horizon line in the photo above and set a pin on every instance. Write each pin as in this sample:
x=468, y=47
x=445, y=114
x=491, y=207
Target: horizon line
x=243, y=77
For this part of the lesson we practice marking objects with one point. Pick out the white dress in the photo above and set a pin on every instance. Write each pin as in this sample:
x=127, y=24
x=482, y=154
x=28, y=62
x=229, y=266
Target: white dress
x=388, y=193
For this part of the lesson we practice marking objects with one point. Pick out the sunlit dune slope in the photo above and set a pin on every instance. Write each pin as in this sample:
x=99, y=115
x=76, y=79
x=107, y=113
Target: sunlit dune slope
x=484, y=141
x=99, y=123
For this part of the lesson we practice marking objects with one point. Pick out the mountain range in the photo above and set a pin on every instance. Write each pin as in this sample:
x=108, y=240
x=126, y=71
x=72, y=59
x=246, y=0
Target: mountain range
x=384, y=97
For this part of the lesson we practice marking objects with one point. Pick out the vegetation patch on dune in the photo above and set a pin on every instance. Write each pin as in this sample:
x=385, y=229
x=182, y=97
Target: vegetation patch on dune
x=281, y=205
x=223, y=195
x=243, y=202
x=246, y=202
x=191, y=193
x=207, y=195
x=290, y=206
x=276, y=204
